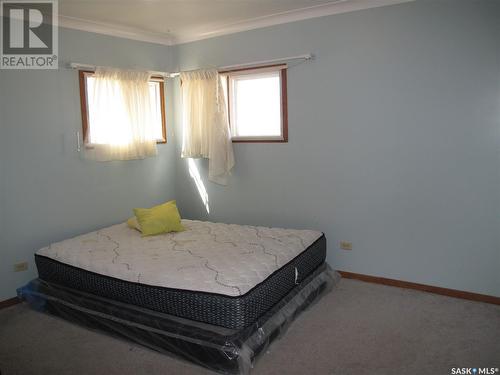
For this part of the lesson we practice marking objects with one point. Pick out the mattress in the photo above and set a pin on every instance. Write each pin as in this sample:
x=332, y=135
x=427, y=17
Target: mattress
x=222, y=274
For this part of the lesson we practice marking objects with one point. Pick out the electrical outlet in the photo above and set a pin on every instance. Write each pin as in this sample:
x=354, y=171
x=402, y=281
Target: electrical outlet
x=23, y=266
x=346, y=245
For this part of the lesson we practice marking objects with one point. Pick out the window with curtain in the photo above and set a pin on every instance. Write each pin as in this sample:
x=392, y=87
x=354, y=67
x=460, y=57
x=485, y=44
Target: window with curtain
x=206, y=131
x=123, y=114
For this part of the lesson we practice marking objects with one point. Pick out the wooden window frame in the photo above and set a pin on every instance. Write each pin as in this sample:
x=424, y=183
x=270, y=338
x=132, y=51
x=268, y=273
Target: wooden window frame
x=82, y=74
x=284, y=102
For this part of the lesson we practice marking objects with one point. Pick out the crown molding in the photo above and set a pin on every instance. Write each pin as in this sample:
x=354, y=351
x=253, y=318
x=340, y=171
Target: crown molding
x=119, y=31
x=321, y=10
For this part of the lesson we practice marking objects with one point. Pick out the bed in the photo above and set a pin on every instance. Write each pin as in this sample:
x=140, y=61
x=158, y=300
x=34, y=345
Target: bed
x=222, y=274
x=215, y=294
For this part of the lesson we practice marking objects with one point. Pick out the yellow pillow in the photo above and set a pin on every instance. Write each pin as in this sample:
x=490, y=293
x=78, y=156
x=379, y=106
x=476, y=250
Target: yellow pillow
x=134, y=224
x=163, y=218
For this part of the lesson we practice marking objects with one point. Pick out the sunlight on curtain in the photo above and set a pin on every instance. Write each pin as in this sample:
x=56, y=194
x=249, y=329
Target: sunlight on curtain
x=206, y=131
x=120, y=114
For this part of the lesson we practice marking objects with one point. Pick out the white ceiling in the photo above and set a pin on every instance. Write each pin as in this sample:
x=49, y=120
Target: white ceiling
x=178, y=21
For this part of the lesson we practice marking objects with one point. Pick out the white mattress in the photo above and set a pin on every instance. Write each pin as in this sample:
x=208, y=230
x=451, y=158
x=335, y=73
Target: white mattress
x=219, y=258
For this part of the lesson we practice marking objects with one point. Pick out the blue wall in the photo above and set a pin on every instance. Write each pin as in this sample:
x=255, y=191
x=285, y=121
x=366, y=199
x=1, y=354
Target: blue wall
x=394, y=144
x=394, y=140
x=48, y=192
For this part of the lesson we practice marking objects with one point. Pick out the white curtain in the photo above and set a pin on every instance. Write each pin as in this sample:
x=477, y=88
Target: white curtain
x=120, y=114
x=206, y=131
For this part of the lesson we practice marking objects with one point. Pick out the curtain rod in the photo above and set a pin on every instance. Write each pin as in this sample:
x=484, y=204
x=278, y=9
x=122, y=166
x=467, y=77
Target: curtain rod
x=304, y=57
x=94, y=67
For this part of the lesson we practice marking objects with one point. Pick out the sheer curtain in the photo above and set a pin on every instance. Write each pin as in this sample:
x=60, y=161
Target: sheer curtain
x=206, y=131
x=120, y=117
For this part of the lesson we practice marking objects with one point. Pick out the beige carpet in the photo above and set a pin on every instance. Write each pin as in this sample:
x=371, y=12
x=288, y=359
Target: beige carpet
x=358, y=328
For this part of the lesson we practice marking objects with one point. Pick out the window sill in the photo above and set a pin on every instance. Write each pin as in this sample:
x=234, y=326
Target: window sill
x=90, y=146
x=260, y=140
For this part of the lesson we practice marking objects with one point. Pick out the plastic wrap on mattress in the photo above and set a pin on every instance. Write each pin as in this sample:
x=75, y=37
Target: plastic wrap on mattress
x=221, y=349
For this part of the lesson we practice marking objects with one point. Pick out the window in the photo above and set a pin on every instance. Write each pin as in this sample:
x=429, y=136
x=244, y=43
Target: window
x=94, y=134
x=257, y=104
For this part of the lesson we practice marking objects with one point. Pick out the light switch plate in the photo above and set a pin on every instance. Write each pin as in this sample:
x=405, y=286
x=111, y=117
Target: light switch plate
x=346, y=245
x=23, y=266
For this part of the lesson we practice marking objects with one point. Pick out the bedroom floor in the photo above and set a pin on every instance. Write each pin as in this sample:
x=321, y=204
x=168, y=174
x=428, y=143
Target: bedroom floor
x=359, y=328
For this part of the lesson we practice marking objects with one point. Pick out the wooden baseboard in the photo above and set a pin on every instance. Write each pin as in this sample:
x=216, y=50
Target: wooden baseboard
x=9, y=302
x=422, y=287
